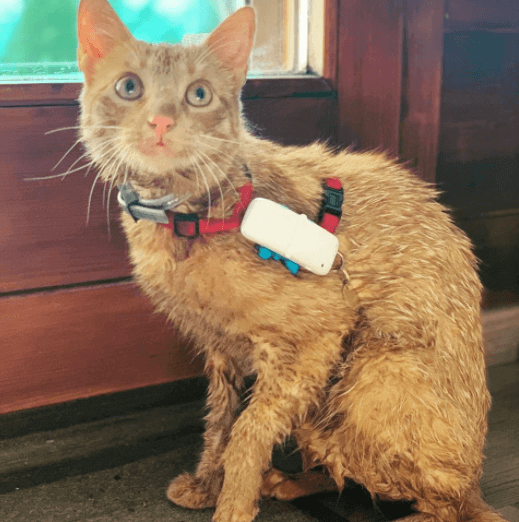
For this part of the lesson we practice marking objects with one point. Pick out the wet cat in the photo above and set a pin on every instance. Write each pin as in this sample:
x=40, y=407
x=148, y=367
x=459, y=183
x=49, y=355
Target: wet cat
x=376, y=368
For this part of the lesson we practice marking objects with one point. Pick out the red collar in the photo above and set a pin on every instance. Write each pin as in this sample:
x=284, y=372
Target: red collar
x=191, y=226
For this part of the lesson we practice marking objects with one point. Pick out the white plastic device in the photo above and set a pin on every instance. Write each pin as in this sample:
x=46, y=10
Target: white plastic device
x=291, y=235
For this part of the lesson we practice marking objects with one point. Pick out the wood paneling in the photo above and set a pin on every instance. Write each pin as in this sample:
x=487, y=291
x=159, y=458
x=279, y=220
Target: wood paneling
x=87, y=339
x=422, y=79
x=23, y=94
x=294, y=121
x=369, y=79
x=331, y=32
x=45, y=240
x=478, y=163
x=68, y=344
x=482, y=15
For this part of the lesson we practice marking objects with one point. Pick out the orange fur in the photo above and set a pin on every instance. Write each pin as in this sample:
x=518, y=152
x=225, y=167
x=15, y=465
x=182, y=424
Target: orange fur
x=390, y=393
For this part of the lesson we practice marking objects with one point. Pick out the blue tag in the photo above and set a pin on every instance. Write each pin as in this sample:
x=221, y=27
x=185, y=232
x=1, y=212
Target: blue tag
x=266, y=253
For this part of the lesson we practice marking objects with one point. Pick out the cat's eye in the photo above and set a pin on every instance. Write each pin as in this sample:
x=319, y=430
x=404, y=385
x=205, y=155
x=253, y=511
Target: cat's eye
x=199, y=94
x=129, y=87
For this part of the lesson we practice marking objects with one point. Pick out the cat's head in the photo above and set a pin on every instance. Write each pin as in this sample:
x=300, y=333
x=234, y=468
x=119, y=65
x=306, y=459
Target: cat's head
x=162, y=115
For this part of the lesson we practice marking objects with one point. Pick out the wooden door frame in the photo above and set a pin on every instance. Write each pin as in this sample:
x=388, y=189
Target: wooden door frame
x=386, y=67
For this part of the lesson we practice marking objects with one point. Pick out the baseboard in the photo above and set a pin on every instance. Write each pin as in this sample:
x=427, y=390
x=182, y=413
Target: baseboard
x=501, y=334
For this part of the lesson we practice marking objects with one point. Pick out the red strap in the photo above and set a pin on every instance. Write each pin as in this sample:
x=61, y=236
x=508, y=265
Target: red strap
x=211, y=226
x=187, y=228
x=331, y=221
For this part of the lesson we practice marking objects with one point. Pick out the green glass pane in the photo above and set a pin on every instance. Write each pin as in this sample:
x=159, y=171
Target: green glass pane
x=38, y=37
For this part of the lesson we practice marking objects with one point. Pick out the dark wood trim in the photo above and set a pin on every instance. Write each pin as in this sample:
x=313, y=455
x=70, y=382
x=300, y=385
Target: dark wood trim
x=422, y=82
x=370, y=73
x=45, y=238
x=34, y=94
x=482, y=16
x=83, y=342
x=41, y=94
x=389, y=78
x=91, y=409
x=331, y=47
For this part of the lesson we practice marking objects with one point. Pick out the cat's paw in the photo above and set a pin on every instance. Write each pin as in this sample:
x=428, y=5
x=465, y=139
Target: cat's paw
x=271, y=479
x=281, y=486
x=187, y=491
x=234, y=511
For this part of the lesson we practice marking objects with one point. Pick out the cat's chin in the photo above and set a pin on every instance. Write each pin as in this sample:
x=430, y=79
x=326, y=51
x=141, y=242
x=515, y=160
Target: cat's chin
x=158, y=150
x=161, y=162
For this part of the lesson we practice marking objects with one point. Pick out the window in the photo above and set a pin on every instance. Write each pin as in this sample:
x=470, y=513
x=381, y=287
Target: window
x=38, y=39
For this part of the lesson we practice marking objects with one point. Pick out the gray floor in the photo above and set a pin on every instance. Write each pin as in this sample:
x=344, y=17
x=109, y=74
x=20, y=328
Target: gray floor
x=117, y=469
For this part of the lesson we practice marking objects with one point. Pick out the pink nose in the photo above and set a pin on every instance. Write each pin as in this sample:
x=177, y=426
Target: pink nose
x=161, y=124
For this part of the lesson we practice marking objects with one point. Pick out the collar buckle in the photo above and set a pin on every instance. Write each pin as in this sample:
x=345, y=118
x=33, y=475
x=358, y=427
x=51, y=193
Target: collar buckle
x=332, y=199
x=186, y=225
x=150, y=209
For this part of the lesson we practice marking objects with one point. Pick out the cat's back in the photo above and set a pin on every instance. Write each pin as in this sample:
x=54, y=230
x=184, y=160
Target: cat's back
x=407, y=260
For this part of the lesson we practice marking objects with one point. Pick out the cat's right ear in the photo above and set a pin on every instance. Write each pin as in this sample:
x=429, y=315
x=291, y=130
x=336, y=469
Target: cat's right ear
x=99, y=31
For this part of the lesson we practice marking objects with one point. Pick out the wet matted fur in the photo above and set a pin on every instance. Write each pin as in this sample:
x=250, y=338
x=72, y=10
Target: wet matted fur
x=387, y=389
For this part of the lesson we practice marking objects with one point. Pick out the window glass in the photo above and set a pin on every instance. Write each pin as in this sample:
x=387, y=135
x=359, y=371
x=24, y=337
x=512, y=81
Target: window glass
x=38, y=37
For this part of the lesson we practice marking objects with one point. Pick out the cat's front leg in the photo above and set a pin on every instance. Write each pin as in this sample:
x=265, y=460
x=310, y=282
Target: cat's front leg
x=289, y=379
x=201, y=489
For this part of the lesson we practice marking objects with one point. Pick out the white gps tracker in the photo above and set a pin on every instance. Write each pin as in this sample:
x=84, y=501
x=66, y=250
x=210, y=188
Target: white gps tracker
x=291, y=235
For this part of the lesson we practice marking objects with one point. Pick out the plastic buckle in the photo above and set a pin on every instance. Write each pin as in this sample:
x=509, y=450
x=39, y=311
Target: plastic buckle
x=186, y=218
x=332, y=201
x=127, y=198
x=266, y=253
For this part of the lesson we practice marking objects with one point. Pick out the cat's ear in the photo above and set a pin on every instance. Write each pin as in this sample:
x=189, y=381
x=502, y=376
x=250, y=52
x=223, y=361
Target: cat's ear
x=231, y=42
x=99, y=31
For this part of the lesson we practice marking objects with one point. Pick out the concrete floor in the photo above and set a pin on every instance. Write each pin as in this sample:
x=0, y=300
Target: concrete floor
x=118, y=468
x=109, y=470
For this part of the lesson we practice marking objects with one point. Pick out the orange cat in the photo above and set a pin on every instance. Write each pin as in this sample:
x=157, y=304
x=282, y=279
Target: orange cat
x=376, y=369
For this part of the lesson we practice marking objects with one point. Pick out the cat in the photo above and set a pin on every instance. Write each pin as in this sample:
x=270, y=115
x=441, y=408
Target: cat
x=376, y=369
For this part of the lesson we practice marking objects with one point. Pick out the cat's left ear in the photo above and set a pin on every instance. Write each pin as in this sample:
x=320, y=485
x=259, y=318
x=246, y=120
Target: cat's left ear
x=99, y=31
x=231, y=42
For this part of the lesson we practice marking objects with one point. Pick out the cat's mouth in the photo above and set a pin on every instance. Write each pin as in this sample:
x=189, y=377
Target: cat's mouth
x=157, y=148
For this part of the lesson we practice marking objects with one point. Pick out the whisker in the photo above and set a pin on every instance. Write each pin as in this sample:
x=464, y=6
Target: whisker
x=219, y=168
x=108, y=210
x=108, y=166
x=208, y=190
x=116, y=169
x=90, y=196
x=216, y=149
x=219, y=139
x=39, y=178
x=89, y=167
x=70, y=169
x=79, y=127
x=66, y=154
x=217, y=182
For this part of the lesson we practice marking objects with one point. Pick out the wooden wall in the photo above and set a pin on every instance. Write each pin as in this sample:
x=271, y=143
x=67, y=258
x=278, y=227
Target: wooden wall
x=72, y=324
x=389, y=78
x=478, y=163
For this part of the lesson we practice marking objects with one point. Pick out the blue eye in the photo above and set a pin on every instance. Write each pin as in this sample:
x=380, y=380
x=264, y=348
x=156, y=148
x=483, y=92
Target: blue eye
x=129, y=87
x=199, y=94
